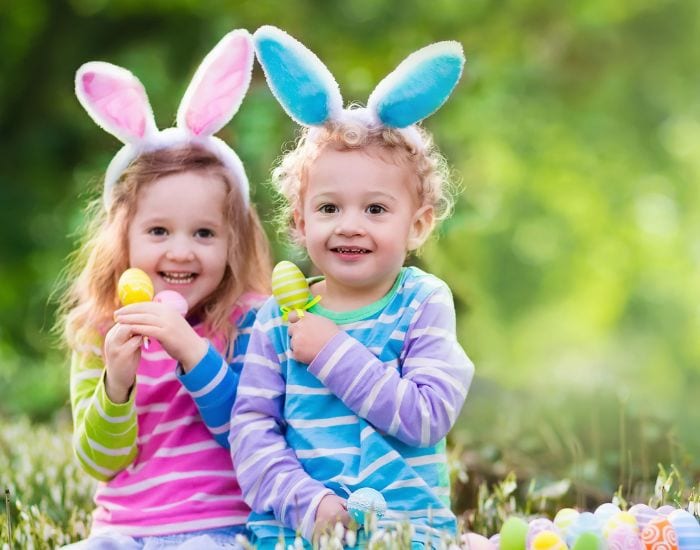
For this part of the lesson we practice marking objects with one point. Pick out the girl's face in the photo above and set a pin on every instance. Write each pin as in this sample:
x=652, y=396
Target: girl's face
x=178, y=235
x=358, y=219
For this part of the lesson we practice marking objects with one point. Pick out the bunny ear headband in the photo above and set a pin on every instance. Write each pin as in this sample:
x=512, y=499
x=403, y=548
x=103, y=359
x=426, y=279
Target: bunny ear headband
x=117, y=102
x=310, y=95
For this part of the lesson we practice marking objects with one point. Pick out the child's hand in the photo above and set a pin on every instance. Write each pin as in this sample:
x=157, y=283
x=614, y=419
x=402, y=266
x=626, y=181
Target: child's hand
x=331, y=510
x=122, y=351
x=308, y=335
x=163, y=323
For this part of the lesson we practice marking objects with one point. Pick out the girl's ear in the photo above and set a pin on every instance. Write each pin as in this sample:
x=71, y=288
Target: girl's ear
x=116, y=100
x=219, y=85
x=421, y=226
x=419, y=85
x=299, y=80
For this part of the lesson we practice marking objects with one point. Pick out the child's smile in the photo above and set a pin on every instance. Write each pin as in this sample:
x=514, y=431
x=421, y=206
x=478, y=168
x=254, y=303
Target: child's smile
x=179, y=236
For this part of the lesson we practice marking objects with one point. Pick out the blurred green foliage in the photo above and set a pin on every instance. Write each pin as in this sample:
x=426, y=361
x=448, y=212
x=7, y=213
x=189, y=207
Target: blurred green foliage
x=572, y=253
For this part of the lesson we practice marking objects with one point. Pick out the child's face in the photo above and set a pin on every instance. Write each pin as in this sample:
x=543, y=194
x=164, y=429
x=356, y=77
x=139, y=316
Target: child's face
x=179, y=236
x=359, y=217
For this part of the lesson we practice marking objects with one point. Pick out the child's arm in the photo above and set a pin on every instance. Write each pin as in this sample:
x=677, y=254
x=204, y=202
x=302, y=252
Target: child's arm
x=213, y=382
x=268, y=471
x=417, y=403
x=104, y=438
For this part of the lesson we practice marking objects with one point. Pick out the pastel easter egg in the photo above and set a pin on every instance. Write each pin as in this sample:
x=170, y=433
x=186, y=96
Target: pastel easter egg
x=364, y=501
x=621, y=518
x=659, y=535
x=565, y=518
x=173, y=299
x=588, y=541
x=496, y=540
x=547, y=540
x=624, y=537
x=513, y=534
x=687, y=529
x=536, y=526
x=643, y=514
x=134, y=286
x=666, y=509
x=584, y=523
x=473, y=541
x=289, y=286
x=605, y=511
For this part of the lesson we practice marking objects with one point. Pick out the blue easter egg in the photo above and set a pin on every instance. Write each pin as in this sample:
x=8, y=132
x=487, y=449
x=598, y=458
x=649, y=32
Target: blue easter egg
x=687, y=529
x=584, y=523
x=363, y=501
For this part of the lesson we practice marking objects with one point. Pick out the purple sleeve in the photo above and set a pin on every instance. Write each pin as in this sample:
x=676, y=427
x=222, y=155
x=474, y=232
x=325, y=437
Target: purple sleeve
x=268, y=471
x=418, y=403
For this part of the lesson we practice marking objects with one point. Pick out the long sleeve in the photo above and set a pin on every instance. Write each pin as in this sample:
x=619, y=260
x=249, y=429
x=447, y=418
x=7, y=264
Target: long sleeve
x=431, y=382
x=104, y=435
x=213, y=383
x=269, y=473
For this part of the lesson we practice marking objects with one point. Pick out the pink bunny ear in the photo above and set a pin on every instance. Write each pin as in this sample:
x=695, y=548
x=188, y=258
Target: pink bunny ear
x=116, y=101
x=219, y=85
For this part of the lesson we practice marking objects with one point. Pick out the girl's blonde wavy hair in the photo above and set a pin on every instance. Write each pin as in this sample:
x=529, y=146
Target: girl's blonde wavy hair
x=290, y=176
x=90, y=297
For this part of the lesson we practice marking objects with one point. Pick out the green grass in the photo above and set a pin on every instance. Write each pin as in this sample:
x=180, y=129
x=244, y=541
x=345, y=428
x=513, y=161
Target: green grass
x=50, y=498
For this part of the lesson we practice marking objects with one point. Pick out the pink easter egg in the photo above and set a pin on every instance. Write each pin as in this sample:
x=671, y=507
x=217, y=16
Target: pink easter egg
x=643, y=514
x=173, y=299
x=659, y=535
x=624, y=537
x=496, y=540
x=472, y=541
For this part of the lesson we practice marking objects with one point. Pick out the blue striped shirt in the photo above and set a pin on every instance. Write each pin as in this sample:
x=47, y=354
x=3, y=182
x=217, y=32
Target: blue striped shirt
x=371, y=410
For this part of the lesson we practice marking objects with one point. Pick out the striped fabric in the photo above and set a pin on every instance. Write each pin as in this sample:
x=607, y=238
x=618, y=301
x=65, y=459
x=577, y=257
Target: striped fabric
x=161, y=471
x=371, y=410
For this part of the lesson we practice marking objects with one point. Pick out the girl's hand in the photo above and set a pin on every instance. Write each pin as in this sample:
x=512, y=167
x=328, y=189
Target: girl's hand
x=122, y=351
x=331, y=510
x=308, y=335
x=163, y=323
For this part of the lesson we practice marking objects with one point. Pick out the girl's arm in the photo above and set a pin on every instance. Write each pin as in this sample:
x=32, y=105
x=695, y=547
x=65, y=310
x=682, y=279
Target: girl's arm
x=268, y=471
x=213, y=382
x=418, y=403
x=104, y=433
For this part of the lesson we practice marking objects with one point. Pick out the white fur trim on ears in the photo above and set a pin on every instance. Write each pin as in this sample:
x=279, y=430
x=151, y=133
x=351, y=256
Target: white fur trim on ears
x=118, y=103
x=208, y=72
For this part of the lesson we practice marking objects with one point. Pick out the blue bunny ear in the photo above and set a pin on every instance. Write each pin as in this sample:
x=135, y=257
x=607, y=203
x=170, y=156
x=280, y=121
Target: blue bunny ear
x=298, y=79
x=419, y=85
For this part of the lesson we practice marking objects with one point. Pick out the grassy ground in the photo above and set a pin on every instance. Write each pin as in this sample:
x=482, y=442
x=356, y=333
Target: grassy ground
x=49, y=498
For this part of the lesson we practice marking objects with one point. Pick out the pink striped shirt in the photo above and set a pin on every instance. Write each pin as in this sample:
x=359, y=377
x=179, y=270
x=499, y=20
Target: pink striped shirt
x=181, y=479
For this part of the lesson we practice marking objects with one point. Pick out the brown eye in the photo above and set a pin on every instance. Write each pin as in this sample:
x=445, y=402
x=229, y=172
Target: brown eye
x=328, y=209
x=375, y=209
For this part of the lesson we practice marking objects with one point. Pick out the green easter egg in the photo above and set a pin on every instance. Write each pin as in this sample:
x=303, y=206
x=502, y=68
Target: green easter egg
x=513, y=534
x=289, y=286
x=587, y=541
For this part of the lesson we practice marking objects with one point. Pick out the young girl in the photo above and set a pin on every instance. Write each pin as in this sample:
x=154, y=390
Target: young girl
x=152, y=420
x=361, y=391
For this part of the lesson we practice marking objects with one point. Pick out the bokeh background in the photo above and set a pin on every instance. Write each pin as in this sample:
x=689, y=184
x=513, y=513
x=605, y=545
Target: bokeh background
x=573, y=252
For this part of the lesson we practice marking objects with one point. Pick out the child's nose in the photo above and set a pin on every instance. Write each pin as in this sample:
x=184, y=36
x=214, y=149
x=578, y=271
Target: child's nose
x=350, y=224
x=180, y=250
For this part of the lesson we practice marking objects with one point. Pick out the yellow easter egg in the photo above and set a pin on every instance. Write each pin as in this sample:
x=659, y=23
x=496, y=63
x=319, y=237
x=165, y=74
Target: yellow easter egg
x=621, y=518
x=289, y=286
x=547, y=540
x=134, y=286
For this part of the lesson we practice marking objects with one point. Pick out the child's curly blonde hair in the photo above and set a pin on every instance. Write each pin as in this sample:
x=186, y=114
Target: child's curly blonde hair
x=415, y=150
